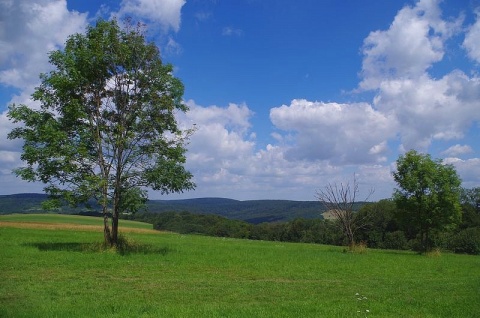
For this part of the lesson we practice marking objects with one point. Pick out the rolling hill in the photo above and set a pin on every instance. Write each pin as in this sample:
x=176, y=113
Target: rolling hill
x=253, y=211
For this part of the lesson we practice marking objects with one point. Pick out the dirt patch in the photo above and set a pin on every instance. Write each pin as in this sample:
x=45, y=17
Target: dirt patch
x=69, y=226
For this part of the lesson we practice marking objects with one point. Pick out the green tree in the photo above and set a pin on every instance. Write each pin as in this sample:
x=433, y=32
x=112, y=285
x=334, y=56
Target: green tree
x=428, y=197
x=106, y=127
x=470, y=201
x=380, y=222
x=471, y=197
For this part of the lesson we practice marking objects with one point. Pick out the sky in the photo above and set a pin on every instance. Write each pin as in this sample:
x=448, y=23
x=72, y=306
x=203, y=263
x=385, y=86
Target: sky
x=287, y=96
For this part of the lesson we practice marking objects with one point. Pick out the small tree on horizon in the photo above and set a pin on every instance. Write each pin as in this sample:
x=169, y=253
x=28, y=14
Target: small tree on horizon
x=339, y=200
x=106, y=127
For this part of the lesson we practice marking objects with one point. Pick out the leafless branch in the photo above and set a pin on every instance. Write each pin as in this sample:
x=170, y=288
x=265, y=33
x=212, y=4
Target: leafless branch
x=339, y=200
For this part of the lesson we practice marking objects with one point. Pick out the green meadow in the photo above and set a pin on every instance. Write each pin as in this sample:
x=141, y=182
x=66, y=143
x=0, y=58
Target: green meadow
x=50, y=266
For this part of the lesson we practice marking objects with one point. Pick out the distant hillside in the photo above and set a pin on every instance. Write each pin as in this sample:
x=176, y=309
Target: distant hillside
x=253, y=211
x=21, y=203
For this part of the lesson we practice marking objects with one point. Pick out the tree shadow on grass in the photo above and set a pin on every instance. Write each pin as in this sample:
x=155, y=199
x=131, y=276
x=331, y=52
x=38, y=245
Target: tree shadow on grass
x=122, y=249
x=67, y=246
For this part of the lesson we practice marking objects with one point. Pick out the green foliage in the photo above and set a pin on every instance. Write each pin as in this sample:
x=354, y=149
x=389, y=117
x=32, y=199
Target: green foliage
x=470, y=197
x=379, y=222
x=106, y=126
x=395, y=240
x=466, y=241
x=428, y=197
x=298, y=230
x=187, y=223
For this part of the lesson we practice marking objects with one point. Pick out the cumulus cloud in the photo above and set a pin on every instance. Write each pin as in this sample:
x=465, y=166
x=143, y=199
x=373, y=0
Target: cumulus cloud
x=468, y=170
x=396, y=64
x=472, y=40
x=166, y=13
x=224, y=158
x=221, y=151
x=342, y=133
x=457, y=150
x=29, y=29
x=221, y=140
x=7, y=145
x=426, y=109
x=35, y=27
x=414, y=41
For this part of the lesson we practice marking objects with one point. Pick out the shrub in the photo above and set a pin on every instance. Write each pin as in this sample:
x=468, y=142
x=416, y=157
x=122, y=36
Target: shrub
x=436, y=252
x=395, y=241
x=357, y=248
x=466, y=241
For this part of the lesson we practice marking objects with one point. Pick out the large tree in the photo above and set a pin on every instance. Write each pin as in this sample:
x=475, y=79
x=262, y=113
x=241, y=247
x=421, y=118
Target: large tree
x=106, y=127
x=428, y=196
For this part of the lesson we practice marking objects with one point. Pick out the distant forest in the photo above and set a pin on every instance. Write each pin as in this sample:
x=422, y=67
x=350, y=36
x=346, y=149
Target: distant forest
x=253, y=211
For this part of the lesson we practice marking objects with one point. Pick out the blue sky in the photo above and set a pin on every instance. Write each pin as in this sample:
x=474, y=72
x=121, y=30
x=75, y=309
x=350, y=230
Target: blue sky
x=287, y=96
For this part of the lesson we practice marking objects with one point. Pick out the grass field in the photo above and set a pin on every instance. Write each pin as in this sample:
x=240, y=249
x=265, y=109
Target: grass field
x=47, y=270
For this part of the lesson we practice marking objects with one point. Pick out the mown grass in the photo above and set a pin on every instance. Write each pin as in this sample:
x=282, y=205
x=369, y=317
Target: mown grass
x=50, y=273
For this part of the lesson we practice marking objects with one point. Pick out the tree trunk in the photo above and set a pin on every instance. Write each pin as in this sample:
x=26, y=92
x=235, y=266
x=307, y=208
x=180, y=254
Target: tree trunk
x=114, y=234
x=106, y=228
x=115, y=214
x=427, y=241
x=351, y=238
x=117, y=197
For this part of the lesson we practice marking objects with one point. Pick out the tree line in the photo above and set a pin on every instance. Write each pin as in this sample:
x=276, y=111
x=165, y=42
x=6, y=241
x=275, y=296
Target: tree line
x=383, y=230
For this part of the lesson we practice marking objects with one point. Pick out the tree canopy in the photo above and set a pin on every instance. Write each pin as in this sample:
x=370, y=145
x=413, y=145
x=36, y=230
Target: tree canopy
x=428, y=196
x=106, y=127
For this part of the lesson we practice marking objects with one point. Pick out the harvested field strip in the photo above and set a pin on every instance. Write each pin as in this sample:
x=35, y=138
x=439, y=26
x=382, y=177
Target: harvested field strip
x=69, y=226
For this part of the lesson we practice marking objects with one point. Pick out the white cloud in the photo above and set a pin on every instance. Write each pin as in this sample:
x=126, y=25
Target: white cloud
x=468, y=170
x=380, y=148
x=29, y=30
x=5, y=144
x=35, y=27
x=426, y=109
x=458, y=150
x=223, y=158
x=229, y=31
x=166, y=13
x=472, y=40
x=221, y=140
x=235, y=116
x=414, y=41
x=341, y=133
x=396, y=65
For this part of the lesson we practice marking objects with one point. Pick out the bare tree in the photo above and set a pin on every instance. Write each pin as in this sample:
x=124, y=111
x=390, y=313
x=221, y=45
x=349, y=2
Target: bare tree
x=339, y=200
